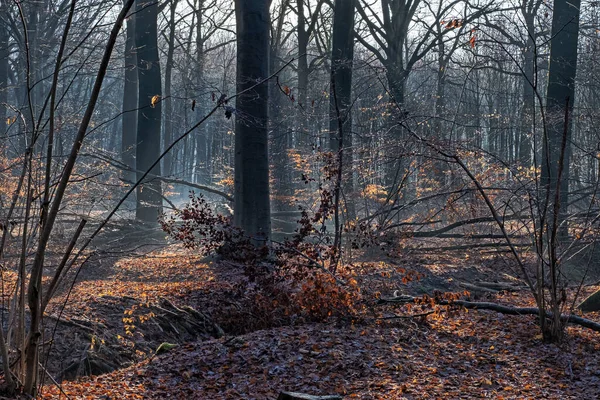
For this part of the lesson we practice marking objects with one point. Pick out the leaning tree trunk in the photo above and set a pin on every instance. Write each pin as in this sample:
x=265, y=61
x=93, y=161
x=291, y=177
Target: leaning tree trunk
x=34, y=290
x=149, y=194
x=251, y=186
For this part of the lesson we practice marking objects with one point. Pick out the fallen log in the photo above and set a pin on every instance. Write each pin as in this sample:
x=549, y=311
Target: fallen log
x=507, y=287
x=491, y=287
x=302, y=396
x=509, y=310
x=475, y=288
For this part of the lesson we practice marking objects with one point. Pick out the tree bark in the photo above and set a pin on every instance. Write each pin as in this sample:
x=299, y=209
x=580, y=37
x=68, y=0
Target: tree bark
x=251, y=183
x=168, y=136
x=202, y=161
x=559, y=105
x=130, y=103
x=302, y=137
x=149, y=202
x=340, y=103
x=4, y=54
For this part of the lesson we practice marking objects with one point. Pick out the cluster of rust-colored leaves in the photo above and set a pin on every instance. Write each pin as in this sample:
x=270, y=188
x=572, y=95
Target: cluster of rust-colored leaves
x=285, y=282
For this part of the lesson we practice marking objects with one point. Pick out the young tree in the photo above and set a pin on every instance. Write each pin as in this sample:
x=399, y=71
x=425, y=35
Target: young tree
x=251, y=187
x=149, y=195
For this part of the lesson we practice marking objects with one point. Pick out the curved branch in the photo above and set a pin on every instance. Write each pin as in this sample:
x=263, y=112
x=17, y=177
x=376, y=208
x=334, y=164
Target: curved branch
x=509, y=310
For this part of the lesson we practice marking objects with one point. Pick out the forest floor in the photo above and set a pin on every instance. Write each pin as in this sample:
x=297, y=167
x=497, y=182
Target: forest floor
x=111, y=323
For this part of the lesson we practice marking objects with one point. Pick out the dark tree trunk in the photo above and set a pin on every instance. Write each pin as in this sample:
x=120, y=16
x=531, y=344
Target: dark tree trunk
x=202, y=161
x=527, y=111
x=340, y=103
x=149, y=194
x=302, y=138
x=252, y=206
x=168, y=136
x=283, y=189
x=130, y=103
x=342, y=55
x=4, y=53
x=559, y=104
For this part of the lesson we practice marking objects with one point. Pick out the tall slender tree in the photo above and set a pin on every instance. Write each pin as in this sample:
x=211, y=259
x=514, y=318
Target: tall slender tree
x=340, y=98
x=168, y=134
x=130, y=102
x=4, y=53
x=149, y=194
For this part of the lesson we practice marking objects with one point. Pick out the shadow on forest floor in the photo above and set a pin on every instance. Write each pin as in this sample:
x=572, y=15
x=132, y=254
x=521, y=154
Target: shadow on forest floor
x=113, y=320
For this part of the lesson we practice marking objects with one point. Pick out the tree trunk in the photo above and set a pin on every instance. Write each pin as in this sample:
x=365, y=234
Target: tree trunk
x=559, y=104
x=283, y=189
x=130, y=103
x=252, y=207
x=302, y=137
x=168, y=136
x=201, y=171
x=340, y=104
x=4, y=54
x=149, y=194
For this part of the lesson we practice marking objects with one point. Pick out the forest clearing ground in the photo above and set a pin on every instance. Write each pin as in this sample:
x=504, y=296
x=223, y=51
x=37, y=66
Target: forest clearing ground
x=474, y=354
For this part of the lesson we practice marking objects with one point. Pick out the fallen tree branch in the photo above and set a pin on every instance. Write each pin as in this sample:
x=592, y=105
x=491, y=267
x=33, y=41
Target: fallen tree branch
x=470, y=246
x=475, y=288
x=119, y=165
x=452, y=226
x=424, y=314
x=509, y=310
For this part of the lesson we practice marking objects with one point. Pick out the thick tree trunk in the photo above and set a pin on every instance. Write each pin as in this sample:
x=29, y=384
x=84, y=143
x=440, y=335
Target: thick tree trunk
x=252, y=206
x=149, y=194
x=130, y=103
x=559, y=105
